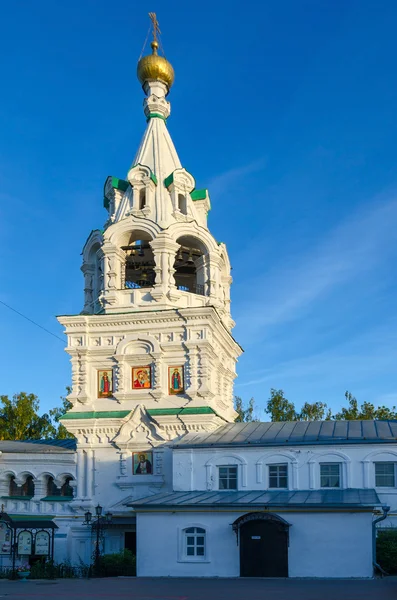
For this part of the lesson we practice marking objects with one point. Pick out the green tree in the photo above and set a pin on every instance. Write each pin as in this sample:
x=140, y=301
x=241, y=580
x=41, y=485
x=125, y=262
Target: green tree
x=61, y=432
x=20, y=420
x=279, y=408
x=367, y=411
x=317, y=411
x=244, y=414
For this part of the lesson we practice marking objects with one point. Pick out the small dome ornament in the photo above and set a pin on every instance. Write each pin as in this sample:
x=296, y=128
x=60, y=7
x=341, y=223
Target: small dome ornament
x=154, y=67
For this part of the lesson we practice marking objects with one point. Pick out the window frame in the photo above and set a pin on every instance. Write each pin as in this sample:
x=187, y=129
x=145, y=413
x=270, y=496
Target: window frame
x=228, y=489
x=278, y=487
x=183, y=535
x=340, y=469
x=386, y=462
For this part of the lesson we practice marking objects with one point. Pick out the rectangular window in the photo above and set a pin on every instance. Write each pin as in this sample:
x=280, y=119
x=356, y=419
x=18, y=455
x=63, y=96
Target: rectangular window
x=195, y=542
x=228, y=478
x=278, y=476
x=330, y=475
x=385, y=474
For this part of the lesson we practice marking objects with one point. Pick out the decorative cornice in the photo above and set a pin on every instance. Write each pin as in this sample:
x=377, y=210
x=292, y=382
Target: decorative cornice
x=121, y=414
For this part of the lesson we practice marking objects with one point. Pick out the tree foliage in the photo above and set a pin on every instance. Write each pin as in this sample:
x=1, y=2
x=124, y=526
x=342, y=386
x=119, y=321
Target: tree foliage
x=244, y=413
x=279, y=408
x=20, y=419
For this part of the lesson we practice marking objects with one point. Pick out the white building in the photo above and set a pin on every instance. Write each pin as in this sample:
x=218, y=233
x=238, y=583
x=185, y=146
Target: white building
x=153, y=364
x=272, y=499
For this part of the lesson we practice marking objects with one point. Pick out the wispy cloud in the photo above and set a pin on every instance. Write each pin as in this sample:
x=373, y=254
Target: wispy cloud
x=354, y=248
x=224, y=181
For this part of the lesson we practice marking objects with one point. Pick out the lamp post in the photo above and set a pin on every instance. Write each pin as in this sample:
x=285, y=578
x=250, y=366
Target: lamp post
x=98, y=524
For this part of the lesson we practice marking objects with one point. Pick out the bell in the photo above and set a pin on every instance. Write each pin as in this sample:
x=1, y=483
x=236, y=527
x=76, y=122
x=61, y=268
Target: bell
x=179, y=256
x=141, y=251
x=190, y=258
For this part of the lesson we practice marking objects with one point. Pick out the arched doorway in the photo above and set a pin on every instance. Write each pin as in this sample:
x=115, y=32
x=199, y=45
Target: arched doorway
x=263, y=542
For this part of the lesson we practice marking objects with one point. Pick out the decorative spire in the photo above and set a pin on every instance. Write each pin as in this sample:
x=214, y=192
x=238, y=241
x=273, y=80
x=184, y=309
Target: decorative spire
x=154, y=67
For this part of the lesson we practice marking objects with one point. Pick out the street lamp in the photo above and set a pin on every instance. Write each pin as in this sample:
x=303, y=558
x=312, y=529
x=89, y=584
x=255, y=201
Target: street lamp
x=99, y=524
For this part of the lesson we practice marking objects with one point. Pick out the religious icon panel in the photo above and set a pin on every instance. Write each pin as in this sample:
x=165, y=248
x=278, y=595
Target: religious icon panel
x=5, y=538
x=42, y=543
x=141, y=378
x=176, y=383
x=105, y=383
x=25, y=543
x=142, y=463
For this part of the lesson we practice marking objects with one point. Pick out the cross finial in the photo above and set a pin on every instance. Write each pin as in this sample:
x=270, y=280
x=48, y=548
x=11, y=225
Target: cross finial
x=155, y=23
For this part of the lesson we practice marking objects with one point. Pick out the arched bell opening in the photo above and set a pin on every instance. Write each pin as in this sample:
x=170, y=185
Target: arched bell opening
x=139, y=262
x=188, y=265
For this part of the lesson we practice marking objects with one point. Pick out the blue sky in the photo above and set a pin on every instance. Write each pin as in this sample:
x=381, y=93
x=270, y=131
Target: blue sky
x=285, y=110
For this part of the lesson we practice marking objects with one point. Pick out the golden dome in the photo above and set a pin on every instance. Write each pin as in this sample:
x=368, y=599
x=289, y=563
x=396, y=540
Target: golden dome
x=155, y=67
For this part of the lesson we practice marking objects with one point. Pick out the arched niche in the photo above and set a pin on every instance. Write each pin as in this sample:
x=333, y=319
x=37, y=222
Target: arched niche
x=277, y=457
x=226, y=459
x=329, y=456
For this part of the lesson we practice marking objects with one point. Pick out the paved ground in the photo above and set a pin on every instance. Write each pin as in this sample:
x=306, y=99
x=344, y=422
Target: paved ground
x=200, y=589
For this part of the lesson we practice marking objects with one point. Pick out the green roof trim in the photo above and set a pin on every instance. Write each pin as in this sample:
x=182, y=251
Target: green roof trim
x=153, y=178
x=57, y=499
x=199, y=410
x=26, y=517
x=17, y=497
x=168, y=180
x=156, y=116
x=105, y=414
x=120, y=184
x=198, y=195
x=120, y=414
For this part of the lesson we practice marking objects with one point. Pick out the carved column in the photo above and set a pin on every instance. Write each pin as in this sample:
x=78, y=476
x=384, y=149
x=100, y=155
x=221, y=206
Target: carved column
x=89, y=272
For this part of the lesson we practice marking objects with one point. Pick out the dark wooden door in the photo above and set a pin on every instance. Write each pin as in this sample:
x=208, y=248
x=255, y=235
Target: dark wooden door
x=130, y=541
x=263, y=549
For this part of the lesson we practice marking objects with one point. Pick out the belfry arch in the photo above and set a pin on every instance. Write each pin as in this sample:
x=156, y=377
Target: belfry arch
x=189, y=265
x=138, y=269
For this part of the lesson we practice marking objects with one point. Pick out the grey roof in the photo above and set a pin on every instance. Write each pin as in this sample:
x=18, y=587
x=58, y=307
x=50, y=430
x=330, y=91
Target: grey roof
x=38, y=446
x=302, y=498
x=292, y=433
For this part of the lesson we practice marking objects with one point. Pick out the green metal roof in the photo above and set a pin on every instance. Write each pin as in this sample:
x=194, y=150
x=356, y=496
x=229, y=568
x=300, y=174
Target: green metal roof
x=198, y=195
x=350, y=498
x=294, y=433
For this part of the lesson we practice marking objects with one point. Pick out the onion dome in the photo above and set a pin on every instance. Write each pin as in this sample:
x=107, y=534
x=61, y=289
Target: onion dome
x=155, y=68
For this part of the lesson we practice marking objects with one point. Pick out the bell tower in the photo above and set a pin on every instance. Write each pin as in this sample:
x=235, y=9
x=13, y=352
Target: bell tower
x=152, y=352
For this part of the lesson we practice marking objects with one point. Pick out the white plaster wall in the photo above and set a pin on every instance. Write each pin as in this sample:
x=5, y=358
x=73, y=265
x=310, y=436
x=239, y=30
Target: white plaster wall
x=358, y=470
x=321, y=545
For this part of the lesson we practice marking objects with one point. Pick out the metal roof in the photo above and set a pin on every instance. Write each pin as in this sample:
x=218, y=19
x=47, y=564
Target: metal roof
x=292, y=433
x=38, y=446
x=350, y=498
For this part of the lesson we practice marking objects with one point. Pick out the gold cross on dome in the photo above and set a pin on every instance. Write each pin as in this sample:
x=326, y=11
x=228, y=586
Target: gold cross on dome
x=156, y=28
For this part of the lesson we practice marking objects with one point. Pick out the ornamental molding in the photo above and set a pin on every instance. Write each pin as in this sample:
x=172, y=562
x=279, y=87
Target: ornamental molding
x=138, y=428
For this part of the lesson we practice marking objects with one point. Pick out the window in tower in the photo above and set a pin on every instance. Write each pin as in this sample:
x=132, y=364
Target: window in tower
x=142, y=199
x=182, y=204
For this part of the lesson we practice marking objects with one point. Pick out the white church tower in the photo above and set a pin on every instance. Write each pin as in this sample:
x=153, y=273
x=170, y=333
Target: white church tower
x=152, y=353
